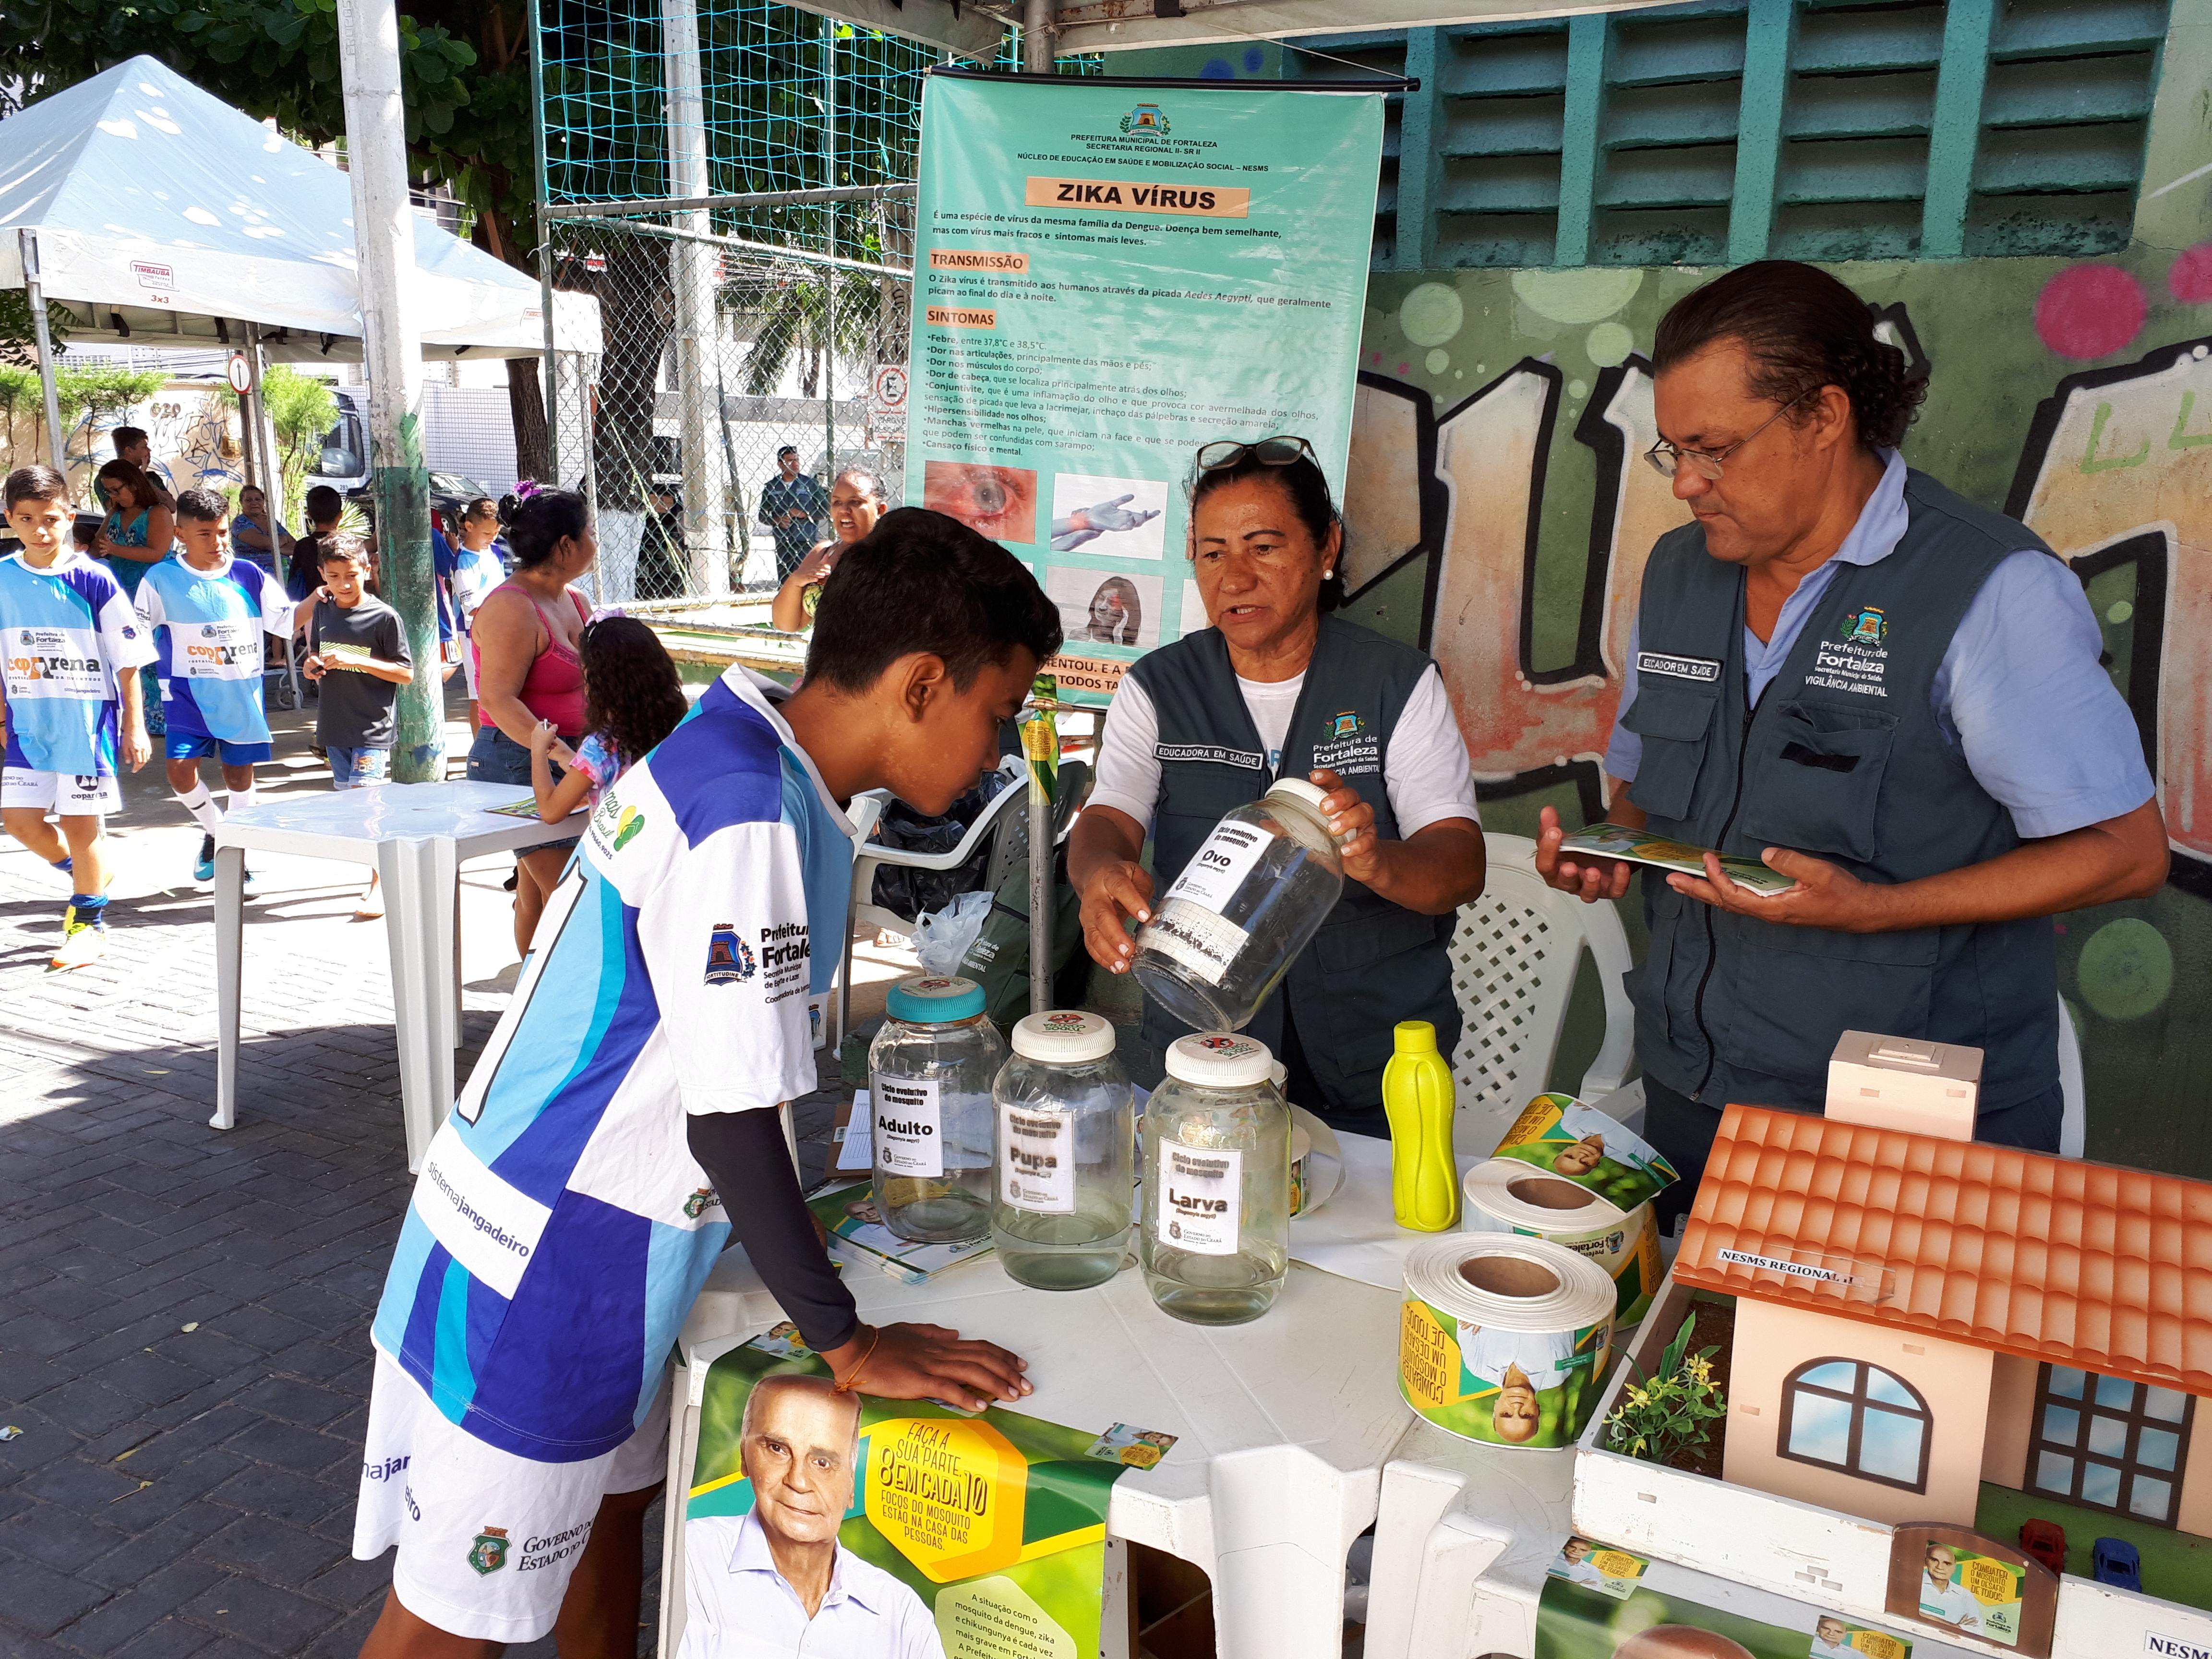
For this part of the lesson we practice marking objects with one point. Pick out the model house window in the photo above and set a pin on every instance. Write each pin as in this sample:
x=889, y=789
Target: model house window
x=1847, y=1415
x=2109, y=1442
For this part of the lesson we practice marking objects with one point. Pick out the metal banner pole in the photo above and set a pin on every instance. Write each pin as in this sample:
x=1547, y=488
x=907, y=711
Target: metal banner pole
x=706, y=484
x=34, y=292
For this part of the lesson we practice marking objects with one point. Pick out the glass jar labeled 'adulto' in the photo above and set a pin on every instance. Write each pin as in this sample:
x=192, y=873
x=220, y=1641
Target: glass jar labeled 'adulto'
x=930, y=1071
x=1249, y=900
x=1216, y=1226
x=1066, y=1164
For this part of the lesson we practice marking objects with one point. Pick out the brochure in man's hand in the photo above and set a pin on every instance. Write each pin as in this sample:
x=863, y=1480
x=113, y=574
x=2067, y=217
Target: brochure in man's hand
x=1615, y=841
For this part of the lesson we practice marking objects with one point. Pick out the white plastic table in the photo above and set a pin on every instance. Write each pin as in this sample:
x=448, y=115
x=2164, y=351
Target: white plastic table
x=415, y=837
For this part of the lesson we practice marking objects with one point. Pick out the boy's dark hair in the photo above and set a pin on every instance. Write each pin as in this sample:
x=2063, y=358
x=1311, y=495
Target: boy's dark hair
x=36, y=484
x=921, y=581
x=541, y=521
x=1801, y=330
x=479, y=507
x=1305, y=486
x=324, y=505
x=127, y=437
x=201, y=505
x=633, y=695
x=340, y=547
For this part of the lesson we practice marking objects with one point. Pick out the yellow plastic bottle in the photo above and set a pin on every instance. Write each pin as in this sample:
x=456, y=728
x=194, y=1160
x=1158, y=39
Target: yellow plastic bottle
x=1417, y=1099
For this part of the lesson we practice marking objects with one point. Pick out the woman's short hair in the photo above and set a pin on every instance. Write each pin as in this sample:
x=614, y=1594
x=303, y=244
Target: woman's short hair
x=143, y=492
x=541, y=521
x=1307, y=487
x=867, y=479
x=1801, y=330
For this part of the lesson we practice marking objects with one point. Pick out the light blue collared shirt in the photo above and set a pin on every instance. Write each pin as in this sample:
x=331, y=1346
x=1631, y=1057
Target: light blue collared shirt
x=737, y=1606
x=2021, y=691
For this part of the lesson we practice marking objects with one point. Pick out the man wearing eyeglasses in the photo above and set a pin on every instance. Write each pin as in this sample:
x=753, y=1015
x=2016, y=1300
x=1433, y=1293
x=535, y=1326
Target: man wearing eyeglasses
x=1879, y=688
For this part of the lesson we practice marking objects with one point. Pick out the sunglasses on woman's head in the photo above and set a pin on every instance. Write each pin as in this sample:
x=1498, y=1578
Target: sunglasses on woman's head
x=1269, y=451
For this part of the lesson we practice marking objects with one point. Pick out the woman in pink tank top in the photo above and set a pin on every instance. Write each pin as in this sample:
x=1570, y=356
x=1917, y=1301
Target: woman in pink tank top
x=525, y=637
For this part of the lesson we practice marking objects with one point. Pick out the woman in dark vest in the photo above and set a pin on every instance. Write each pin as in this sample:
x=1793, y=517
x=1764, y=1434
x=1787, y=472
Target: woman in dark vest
x=1276, y=687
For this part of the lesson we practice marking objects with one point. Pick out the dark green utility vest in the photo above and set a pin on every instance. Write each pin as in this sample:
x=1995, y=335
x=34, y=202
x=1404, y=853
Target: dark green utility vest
x=1374, y=963
x=1842, y=758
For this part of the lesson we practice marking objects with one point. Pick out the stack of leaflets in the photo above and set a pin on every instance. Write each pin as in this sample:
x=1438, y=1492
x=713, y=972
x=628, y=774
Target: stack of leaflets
x=1615, y=841
x=347, y=656
x=859, y=1237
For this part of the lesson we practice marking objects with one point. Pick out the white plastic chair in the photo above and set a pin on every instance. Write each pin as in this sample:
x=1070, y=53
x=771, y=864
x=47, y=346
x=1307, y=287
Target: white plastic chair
x=1514, y=958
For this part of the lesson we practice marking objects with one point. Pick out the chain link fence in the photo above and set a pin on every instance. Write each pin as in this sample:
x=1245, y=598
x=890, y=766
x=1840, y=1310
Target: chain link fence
x=675, y=431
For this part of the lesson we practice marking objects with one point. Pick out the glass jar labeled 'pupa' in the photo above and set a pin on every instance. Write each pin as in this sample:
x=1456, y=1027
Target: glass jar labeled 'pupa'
x=1249, y=900
x=1066, y=1163
x=1217, y=1223
x=930, y=1071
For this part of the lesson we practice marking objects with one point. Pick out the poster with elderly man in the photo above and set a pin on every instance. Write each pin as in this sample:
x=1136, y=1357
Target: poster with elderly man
x=827, y=1524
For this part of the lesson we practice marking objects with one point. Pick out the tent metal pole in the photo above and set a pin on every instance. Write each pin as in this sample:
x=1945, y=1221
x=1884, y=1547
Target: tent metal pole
x=271, y=461
x=34, y=292
x=1040, y=35
x=392, y=356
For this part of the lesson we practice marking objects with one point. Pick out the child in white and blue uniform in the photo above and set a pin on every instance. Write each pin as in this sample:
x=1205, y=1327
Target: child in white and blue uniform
x=70, y=647
x=208, y=613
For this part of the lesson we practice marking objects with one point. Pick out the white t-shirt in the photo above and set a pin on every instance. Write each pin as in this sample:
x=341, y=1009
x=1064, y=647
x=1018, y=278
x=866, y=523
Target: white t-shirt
x=1425, y=769
x=1954, y=1604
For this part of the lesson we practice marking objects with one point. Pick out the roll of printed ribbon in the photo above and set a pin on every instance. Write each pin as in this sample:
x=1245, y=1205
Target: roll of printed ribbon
x=1506, y=1196
x=1504, y=1339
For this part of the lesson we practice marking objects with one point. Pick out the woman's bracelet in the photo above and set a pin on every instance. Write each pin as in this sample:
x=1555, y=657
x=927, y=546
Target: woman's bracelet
x=853, y=1382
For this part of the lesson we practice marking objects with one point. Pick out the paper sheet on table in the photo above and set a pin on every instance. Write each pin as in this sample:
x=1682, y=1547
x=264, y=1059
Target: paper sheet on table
x=1353, y=1235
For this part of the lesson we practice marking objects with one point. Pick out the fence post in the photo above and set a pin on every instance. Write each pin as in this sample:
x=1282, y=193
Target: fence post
x=706, y=479
x=391, y=354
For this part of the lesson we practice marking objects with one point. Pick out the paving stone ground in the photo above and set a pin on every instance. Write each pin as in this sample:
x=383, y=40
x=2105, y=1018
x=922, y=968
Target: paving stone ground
x=184, y=1311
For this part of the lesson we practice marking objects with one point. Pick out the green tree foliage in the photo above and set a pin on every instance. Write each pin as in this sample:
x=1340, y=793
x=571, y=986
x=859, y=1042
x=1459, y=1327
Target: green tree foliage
x=19, y=340
x=302, y=409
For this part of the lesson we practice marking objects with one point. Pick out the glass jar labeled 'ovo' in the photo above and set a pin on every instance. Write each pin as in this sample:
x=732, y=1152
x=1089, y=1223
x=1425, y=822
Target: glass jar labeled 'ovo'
x=1249, y=900
x=930, y=1071
x=1217, y=1223
x=1066, y=1122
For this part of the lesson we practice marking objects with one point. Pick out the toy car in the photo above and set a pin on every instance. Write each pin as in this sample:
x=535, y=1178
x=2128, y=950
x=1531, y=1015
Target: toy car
x=2047, y=1541
x=2116, y=1563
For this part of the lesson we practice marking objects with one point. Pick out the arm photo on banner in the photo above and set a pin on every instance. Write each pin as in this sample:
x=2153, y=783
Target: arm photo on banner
x=907, y=1529
x=1108, y=276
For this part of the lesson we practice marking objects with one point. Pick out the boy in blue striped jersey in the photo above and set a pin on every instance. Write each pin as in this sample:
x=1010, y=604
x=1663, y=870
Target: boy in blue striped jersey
x=70, y=647
x=208, y=613
x=623, y=1122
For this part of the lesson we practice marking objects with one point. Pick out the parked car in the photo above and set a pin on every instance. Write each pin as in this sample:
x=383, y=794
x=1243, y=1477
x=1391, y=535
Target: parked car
x=2047, y=1541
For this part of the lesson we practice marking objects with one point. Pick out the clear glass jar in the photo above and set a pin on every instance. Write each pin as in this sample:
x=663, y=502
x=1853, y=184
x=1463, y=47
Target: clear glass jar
x=1216, y=1238
x=1249, y=900
x=930, y=1071
x=1066, y=1164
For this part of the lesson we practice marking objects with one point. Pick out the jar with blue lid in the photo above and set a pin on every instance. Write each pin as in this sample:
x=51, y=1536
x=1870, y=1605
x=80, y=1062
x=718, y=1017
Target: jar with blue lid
x=930, y=1072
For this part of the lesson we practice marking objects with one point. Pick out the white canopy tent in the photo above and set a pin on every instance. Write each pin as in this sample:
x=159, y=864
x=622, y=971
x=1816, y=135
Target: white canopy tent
x=163, y=217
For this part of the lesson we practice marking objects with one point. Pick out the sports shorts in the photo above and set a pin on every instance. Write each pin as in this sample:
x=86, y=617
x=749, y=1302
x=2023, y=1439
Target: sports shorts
x=487, y=1540
x=60, y=792
x=186, y=745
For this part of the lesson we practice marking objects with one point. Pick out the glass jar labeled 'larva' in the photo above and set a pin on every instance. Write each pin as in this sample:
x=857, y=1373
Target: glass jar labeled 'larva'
x=1217, y=1224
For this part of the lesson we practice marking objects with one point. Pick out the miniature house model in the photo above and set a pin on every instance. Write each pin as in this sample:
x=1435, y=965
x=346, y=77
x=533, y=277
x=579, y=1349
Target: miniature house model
x=1918, y=1314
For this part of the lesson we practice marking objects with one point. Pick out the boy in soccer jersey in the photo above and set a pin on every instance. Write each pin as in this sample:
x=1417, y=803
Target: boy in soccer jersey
x=70, y=647
x=624, y=1120
x=208, y=611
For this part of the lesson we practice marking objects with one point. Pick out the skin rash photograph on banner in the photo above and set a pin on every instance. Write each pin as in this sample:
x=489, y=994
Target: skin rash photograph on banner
x=1109, y=275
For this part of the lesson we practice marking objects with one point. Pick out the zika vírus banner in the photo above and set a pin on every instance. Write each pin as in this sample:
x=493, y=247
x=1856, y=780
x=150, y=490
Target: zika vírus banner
x=1106, y=277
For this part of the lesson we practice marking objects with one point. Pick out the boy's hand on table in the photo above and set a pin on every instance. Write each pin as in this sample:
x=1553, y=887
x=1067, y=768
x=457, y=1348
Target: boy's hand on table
x=929, y=1362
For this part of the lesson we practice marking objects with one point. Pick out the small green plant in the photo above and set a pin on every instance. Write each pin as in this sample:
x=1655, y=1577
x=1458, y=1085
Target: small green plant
x=1664, y=1412
x=302, y=409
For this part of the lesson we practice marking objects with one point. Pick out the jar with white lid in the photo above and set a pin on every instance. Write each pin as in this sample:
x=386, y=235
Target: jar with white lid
x=1066, y=1164
x=1250, y=899
x=1216, y=1235
x=930, y=1072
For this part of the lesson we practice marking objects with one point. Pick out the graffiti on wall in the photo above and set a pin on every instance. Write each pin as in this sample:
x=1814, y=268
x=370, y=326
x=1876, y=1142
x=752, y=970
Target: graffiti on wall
x=1509, y=514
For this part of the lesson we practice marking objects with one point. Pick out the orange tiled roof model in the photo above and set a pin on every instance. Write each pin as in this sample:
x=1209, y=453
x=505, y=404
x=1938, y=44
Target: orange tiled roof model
x=2048, y=1258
